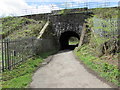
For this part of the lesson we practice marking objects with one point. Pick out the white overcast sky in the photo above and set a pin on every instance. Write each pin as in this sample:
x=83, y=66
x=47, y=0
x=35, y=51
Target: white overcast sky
x=23, y=7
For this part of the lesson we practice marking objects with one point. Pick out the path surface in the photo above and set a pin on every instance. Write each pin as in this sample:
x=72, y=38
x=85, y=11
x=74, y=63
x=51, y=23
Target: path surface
x=64, y=71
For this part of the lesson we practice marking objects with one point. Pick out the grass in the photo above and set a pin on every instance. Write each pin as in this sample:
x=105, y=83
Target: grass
x=31, y=30
x=108, y=71
x=73, y=42
x=19, y=27
x=19, y=82
x=21, y=76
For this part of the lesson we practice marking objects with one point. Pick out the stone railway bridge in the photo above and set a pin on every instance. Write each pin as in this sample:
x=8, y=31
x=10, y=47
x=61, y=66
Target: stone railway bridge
x=65, y=26
x=68, y=25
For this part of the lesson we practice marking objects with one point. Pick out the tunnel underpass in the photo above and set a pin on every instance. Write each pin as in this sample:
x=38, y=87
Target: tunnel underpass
x=64, y=40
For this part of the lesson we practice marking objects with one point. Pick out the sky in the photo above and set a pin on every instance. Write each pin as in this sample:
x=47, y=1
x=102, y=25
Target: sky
x=27, y=7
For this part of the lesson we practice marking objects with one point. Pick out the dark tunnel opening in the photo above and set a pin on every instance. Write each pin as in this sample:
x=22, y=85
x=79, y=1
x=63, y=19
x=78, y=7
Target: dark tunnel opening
x=64, y=40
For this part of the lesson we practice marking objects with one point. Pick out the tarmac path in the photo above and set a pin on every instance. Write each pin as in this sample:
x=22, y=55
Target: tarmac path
x=64, y=71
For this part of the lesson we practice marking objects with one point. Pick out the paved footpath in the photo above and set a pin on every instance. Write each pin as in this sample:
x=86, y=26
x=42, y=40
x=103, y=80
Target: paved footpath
x=64, y=71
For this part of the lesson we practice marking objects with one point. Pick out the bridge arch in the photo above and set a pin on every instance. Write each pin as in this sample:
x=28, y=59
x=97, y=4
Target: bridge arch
x=64, y=39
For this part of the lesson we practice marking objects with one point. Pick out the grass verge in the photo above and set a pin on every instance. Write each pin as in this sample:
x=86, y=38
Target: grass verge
x=108, y=71
x=21, y=76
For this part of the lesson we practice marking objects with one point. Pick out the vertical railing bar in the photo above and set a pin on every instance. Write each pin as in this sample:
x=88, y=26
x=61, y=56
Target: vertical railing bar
x=10, y=55
x=2, y=57
x=13, y=59
x=18, y=53
x=14, y=54
x=8, y=61
x=18, y=57
x=22, y=51
x=21, y=55
x=5, y=54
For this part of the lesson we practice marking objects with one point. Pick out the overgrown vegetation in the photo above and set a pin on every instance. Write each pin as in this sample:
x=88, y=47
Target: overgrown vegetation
x=101, y=51
x=106, y=13
x=19, y=27
x=104, y=35
x=21, y=76
x=109, y=71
